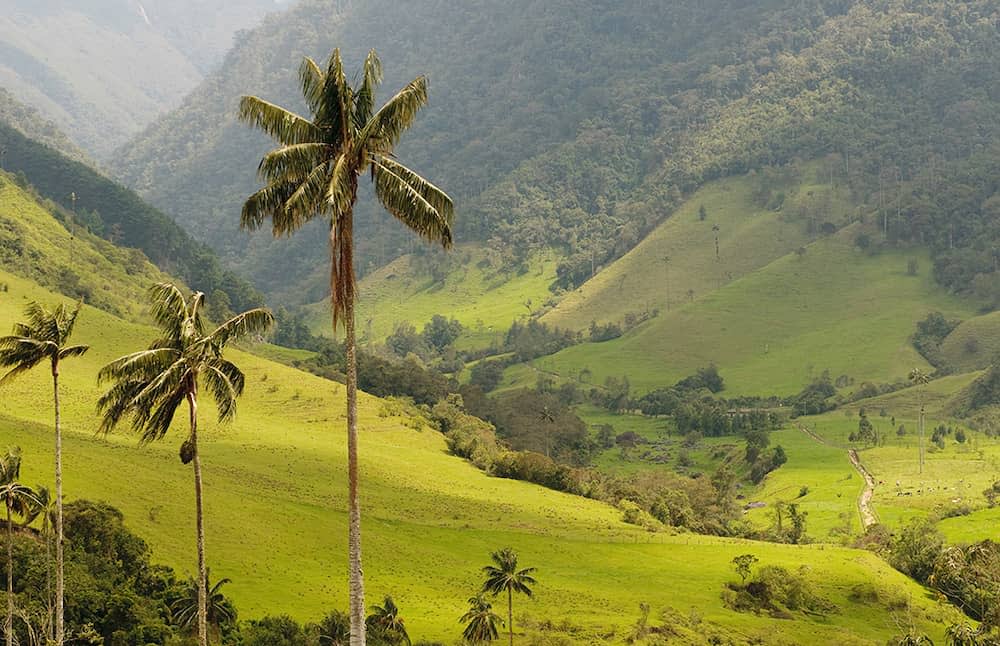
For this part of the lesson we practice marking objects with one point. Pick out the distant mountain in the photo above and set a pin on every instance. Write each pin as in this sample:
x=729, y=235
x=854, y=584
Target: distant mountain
x=580, y=126
x=103, y=69
x=30, y=123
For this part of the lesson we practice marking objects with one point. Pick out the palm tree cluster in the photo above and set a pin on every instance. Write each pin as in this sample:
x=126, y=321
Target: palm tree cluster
x=146, y=388
x=313, y=173
x=503, y=575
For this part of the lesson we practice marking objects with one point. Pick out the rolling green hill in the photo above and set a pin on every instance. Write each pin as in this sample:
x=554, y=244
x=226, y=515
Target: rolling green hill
x=833, y=308
x=275, y=493
x=119, y=215
x=64, y=256
x=974, y=344
x=483, y=299
x=275, y=498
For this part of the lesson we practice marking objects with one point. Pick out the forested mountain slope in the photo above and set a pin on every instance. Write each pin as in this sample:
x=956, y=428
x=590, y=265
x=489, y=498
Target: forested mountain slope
x=117, y=214
x=103, y=69
x=584, y=142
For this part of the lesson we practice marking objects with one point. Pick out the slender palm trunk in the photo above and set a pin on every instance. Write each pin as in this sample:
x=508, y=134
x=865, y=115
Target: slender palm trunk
x=9, y=624
x=47, y=531
x=200, y=522
x=510, y=615
x=60, y=591
x=357, y=584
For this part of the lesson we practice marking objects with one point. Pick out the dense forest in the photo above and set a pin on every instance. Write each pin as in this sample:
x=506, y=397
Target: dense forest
x=591, y=143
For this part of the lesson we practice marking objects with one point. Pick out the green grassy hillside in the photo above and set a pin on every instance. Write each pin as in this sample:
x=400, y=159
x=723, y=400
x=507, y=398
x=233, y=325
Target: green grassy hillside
x=973, y=344
x=485, y=301
x=275, y=493
x=38, y=246
x=677, y=263
x=832, y=308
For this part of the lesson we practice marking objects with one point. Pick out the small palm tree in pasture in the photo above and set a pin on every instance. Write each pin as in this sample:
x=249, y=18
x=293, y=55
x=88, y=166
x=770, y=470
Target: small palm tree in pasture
x=385, y=624
x=314, y=173
x=17, y=500
x=147, y=387
x=503, y=576
x=481, y=623
x=45, y=338
x=219, y=610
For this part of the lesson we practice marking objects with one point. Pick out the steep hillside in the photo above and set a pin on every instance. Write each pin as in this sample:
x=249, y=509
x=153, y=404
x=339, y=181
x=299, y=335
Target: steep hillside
x=103, y=69
x=461, y=284
x=275, y=493
x=833, y=307
x=30, y=123
x=974, y=344
x=586, y=141
x=119, y=215
x=42, y=242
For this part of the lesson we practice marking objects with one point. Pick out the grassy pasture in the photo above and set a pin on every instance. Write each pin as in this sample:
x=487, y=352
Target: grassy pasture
x=773, y=330
x=973, y=344
x=484, y=302
x=275, y=489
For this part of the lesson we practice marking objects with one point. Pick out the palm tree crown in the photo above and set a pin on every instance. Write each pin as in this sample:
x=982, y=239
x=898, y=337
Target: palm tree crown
x=385, y=622
x=43, y=337
x=315, y=170
x=148, y=386
x=503, y=576
x=481, y=623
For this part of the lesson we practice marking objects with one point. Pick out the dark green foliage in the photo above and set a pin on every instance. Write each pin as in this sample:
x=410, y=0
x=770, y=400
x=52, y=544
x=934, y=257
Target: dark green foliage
x=439, y=332
x=535, y=339
x=983, y=392
x=604, y=332
x=123, y=217
x=916, y=548
x=708, y=378
x=486, y=375
x=777, y=592
x=930, y=333
x=273, y=631
x=814, y=398
x=111, y=584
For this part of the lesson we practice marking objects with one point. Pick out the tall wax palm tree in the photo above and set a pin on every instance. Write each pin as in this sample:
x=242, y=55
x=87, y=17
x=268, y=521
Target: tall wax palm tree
x=480, y=621
x=147, y=387
x=503, y=576
x=17, y=499
x=314, y=173
x=45, y=337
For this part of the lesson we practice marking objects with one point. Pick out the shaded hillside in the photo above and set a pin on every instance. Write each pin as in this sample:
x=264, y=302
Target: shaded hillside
x=586, y=141
x=119, y=215
x=103, y=69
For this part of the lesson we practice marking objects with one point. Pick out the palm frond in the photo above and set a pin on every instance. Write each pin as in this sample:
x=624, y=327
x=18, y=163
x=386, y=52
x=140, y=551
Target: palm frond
x=340, y=193
x=292, y=163
x=336, y=99
x=284, y=126
x=268, y=202
x=305, y=202
x=255, y=321
x=169, y=308
x=364, y=100
x=73, y=351
x=223, y=392
x=414, y=201
x=380, y=134
x=311, y=80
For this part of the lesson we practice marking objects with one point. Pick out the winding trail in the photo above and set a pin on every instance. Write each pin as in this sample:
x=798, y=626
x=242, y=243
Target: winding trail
x=868, y=515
